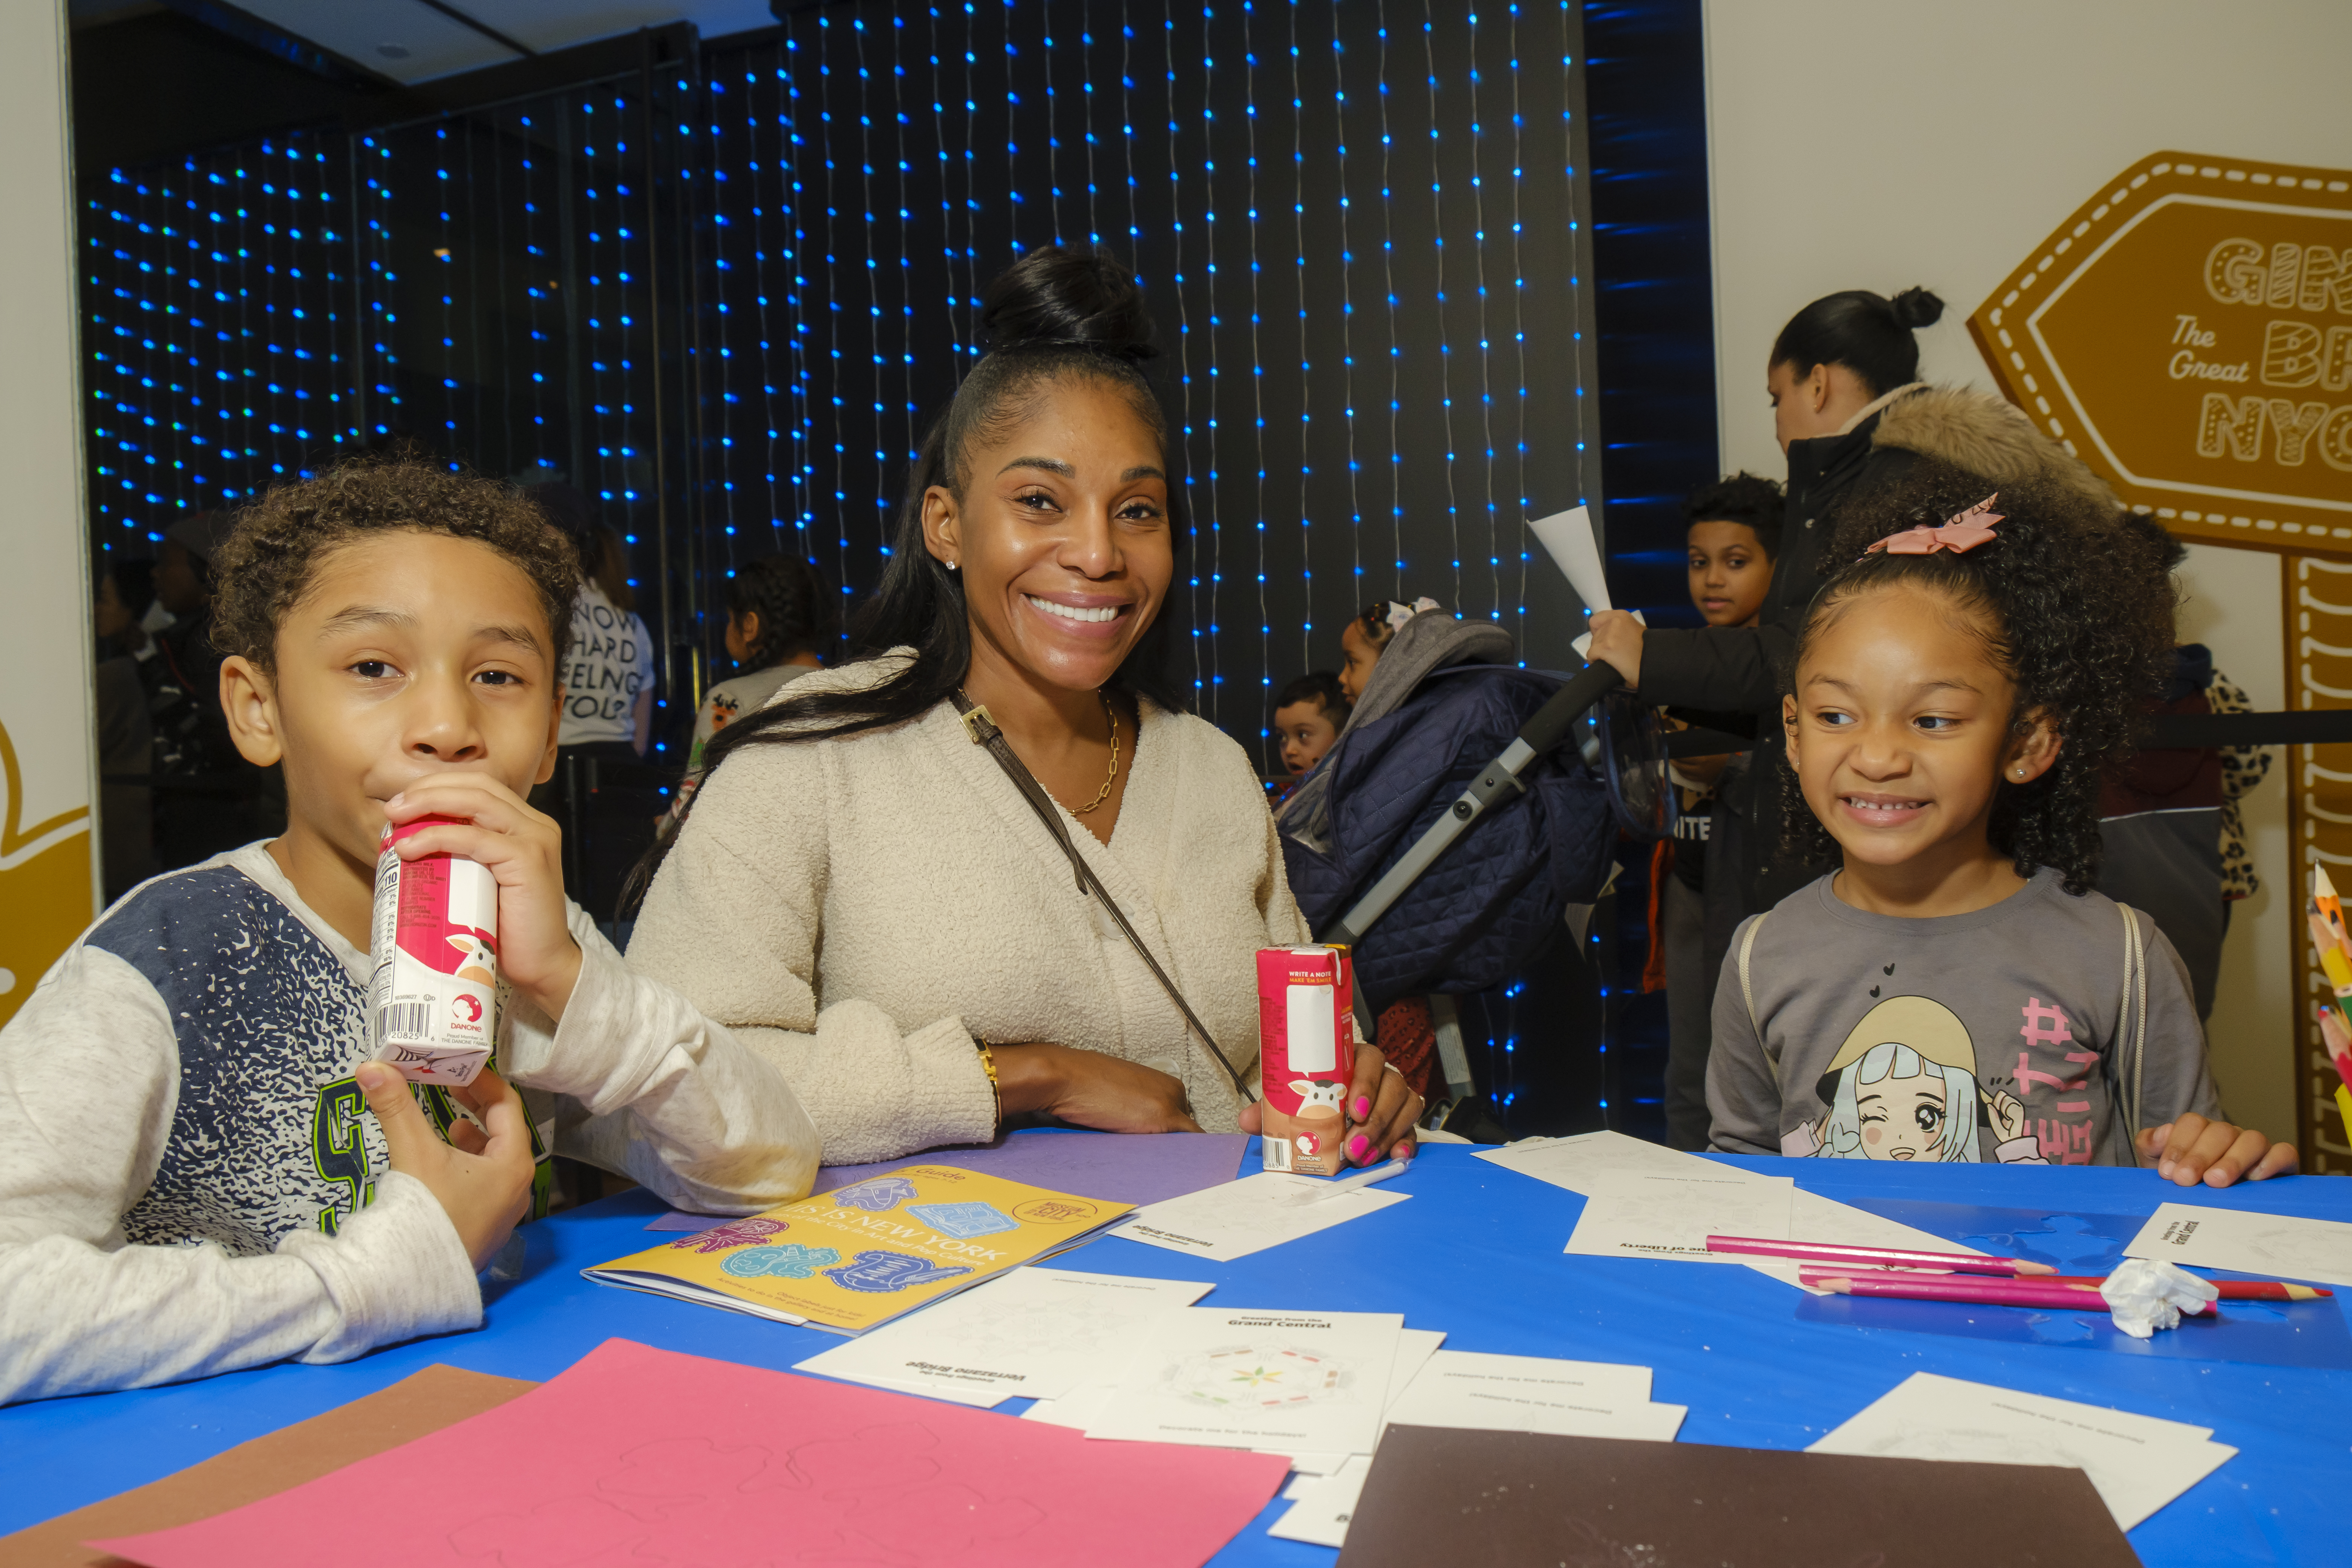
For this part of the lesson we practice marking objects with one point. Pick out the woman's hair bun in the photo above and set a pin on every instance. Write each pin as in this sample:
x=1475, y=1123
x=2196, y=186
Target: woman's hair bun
x=1073, y=295
x=1916, y=308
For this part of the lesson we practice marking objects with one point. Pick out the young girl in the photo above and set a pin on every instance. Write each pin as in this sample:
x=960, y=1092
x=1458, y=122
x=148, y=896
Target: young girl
x=780, y=618
x=1971, y=666
x=1363, y=638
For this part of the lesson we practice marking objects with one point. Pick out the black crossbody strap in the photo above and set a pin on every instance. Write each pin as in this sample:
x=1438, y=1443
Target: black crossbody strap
x=982, y=728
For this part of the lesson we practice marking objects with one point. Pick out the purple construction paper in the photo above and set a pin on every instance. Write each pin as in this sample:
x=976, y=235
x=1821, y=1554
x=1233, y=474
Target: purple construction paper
x=1139, y=1169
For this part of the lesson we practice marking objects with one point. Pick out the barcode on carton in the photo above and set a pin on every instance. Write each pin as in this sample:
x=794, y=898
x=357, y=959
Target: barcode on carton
x=408, y=1020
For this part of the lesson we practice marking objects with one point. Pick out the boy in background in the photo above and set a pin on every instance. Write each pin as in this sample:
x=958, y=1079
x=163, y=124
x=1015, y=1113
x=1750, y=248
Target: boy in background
x=1733, y=537
x=200, y=1167
x=1308, y=715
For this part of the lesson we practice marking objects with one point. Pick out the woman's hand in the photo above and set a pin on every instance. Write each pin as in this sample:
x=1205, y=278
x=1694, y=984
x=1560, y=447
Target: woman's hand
x=1087, y=1089
x=1382, y=1111
x=2193, y=1149
x=1617, y=640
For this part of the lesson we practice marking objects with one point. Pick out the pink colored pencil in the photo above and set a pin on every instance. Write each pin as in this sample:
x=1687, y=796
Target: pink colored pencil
x=1952, y=1287
x=1881, y=1256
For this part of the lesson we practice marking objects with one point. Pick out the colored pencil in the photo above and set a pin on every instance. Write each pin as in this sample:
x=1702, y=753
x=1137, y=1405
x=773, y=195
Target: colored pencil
x=1350, y=1184
x=2323, y=894
x=2232, y=1289
x=1978, y=1289
x=1880, y=1256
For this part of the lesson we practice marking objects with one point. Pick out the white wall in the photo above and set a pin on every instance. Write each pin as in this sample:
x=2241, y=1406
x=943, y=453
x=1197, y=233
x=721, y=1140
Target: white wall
x=48, y=859
x=1882, y=143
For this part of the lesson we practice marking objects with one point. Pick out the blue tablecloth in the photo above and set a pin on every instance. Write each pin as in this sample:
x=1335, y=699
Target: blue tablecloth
x=1477, y=1254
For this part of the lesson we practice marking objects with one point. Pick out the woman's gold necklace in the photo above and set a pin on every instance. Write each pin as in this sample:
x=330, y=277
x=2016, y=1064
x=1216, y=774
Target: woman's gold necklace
x=1104, y=794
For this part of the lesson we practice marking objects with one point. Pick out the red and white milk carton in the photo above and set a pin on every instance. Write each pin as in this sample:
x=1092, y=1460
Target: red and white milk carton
x=1306, y=1056
x=433, y=1001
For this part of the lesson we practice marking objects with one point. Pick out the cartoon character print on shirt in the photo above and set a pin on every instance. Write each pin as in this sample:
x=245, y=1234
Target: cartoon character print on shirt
x=1905, y=1085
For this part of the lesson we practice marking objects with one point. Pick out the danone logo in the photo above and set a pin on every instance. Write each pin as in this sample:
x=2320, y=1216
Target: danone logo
x=2187, y=333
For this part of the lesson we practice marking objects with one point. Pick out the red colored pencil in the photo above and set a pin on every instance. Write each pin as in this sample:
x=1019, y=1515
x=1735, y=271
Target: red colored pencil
x=2232, y=1289
x=1959, y=1288
x=1875, y=1257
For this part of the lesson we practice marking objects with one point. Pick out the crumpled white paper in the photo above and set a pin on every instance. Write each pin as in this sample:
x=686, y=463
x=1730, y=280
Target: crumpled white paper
x=2146, y=1295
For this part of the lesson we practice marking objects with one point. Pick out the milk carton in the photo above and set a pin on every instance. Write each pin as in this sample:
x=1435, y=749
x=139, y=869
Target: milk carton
x=433, y=1000
x=1305, y=1056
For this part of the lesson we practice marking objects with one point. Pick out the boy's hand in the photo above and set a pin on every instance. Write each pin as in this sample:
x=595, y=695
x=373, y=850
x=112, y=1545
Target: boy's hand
x=484, y=1181
x=524, y=851
x=2193, y=1149
x=1617, y=640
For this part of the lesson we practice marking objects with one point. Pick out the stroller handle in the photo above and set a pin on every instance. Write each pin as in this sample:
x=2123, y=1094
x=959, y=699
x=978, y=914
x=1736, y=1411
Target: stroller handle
x=1544, y=730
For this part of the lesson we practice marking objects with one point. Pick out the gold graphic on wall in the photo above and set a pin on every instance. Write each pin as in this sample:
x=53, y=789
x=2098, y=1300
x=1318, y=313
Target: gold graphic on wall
x=2319, y=825
x=2187, y=333
x=44, y=886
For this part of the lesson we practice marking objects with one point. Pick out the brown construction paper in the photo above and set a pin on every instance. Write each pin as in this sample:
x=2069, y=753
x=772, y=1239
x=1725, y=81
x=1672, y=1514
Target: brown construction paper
x=422, y=1403
x=1515, y=1499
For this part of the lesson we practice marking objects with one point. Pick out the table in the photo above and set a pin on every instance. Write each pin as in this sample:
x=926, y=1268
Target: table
x=1475, y=1253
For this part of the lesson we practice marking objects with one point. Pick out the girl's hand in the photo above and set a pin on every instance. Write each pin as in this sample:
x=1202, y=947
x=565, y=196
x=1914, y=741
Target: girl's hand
x=524, y=850
x=1617, y=640
x=2193, y=1149
x=1087, y=1089
x=481, y=1178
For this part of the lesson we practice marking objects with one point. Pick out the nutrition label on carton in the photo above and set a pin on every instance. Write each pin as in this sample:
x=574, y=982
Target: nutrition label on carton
x=433, y=997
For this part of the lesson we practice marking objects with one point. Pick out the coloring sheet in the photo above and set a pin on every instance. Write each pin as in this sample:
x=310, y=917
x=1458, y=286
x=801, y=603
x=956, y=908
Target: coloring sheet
x=1035, y=1332
x=643, y=1456
x=1629, y=1215
x=1531, y=1393
x=2138, y=1463
x=1579, y=1163
x=1282, y=1382
x=1414, y=1347
x=1249, y=1216
x=2269, y=1245
x=1318, y=1514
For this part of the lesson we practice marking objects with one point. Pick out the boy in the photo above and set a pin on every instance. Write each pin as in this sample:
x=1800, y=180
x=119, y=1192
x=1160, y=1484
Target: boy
x=1734, y=536
x=187, y=1182
x=1308, y=716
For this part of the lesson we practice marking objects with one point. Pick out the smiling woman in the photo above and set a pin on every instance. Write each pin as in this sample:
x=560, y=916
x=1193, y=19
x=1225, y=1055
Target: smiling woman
x=883, y=898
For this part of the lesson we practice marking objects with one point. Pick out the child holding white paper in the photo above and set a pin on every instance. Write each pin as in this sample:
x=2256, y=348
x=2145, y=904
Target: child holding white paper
x=1956, y=991
x=201, y=1168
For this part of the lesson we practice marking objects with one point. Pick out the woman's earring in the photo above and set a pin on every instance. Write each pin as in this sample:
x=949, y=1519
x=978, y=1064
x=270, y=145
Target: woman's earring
x=952, y=565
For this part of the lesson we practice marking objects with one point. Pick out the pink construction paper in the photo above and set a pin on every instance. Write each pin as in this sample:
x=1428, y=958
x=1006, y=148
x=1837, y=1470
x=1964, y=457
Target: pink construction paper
x=638, y=1457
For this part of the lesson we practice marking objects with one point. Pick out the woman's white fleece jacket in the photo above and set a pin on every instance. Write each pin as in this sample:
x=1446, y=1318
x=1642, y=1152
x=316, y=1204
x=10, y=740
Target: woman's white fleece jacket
x=859, y=909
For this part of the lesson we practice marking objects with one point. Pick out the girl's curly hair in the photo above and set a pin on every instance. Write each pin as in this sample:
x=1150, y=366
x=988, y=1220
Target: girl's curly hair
x=273, y=553
x=2075, y=605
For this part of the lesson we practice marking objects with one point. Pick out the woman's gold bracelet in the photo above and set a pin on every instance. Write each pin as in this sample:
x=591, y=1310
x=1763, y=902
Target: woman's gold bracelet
x=995, y=1091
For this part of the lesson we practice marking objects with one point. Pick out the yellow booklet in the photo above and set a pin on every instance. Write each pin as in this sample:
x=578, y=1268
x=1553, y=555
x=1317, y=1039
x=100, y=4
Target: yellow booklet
x=860, y=1256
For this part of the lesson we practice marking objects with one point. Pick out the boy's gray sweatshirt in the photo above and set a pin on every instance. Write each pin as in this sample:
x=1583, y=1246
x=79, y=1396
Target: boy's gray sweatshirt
x=1987, y=1036
x=190, y=1182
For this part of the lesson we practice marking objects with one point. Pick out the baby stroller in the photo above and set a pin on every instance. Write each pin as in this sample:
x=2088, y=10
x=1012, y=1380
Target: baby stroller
x=1467, y=809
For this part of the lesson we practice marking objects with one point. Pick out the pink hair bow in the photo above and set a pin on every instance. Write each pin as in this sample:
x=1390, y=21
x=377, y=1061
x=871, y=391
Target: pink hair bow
x=1962, y=532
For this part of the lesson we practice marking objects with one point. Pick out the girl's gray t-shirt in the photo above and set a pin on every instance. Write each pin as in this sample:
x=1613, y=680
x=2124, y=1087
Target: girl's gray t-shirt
x=1987, y=1036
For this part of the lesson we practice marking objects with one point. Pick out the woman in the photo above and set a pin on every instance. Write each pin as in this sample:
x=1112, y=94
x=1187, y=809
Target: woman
x=864, y=892
x=1852, y=417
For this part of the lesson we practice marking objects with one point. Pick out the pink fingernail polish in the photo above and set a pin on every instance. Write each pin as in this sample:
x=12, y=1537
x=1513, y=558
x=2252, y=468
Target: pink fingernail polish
x=1363, y=1108
x=1359, y=1146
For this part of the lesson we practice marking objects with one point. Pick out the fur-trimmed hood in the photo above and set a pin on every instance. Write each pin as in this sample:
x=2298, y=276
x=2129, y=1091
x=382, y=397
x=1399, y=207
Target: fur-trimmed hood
x=1983, y=434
